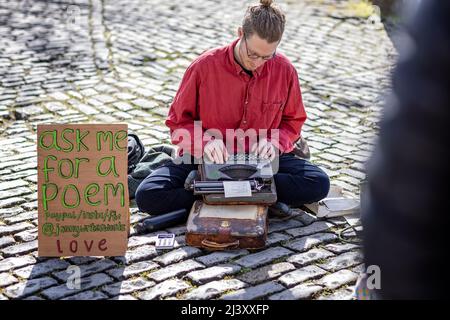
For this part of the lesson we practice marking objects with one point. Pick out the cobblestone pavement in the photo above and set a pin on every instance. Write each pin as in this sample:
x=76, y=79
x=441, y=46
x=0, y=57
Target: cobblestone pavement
x=92, y=60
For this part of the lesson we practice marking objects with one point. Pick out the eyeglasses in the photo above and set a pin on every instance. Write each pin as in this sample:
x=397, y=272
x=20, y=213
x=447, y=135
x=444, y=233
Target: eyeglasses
x=255, y=56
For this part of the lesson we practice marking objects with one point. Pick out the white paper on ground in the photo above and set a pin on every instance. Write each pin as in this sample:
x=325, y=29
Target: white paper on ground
x=335, y=207
x=340, y=204
x=335, y=204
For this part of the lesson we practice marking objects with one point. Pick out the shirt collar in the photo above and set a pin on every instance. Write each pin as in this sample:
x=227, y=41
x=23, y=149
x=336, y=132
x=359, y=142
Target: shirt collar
x=236, y=65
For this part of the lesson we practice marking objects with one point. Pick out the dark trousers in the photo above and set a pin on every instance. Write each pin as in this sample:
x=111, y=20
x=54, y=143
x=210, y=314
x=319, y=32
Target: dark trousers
x=297, y=182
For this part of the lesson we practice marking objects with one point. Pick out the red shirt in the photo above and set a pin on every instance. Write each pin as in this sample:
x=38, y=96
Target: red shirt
x=216, y=90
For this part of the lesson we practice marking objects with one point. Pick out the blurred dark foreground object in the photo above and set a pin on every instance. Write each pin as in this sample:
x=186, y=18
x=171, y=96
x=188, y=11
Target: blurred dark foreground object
x=162, y=221
x=405, y=223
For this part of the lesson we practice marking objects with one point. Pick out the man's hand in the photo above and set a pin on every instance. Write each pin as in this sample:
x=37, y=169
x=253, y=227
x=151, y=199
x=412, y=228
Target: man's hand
x=265, y=149
x=216, y=151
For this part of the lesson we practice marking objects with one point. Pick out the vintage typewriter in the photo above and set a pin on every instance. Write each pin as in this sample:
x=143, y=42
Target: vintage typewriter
x=239, y=167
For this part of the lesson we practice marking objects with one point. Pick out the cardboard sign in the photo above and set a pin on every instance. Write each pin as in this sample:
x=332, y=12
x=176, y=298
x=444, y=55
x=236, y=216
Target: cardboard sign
x=82, y=190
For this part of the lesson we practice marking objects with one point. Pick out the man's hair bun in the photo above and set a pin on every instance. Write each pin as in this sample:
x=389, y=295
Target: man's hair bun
x=266, y=3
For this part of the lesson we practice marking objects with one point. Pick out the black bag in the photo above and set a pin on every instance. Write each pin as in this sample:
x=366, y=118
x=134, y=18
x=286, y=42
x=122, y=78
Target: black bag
x=136, y=151
x=301, y=149
x=155, y=157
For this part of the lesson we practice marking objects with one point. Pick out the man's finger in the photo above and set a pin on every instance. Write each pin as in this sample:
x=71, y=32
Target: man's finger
x=264, y=151
x=220, y=154
x=217, y=155
x=272, y=156
x=271, y=148
x=272, y=153
x=254, y=147
x=213, y=155
x=226, y=154
x=223, y=151
x=208, y=154
x=261, y=146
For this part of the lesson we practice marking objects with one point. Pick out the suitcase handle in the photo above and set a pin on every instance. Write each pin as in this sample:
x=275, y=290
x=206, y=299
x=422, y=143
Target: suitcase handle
x=215, y=245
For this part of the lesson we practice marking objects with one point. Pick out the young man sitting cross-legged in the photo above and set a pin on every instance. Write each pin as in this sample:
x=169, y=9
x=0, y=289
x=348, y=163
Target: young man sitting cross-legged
x=244, y=85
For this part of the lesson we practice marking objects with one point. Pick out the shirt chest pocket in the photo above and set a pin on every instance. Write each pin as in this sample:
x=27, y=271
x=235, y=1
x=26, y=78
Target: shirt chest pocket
x=273, y=106
x=272, y=112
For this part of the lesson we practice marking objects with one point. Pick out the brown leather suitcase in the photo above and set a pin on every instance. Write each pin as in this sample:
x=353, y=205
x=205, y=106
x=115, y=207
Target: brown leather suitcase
x=227, y=227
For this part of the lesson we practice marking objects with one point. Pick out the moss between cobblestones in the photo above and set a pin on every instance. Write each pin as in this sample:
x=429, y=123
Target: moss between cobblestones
x=229, y=291
x=151, y=271
x=324, y=292
x=98, y=288
x=39, y=294
x=334, y=229
x=243, y=271
x=189, y=282
x=279, y=260
x=179, y=295
x=145, y=274
x=320, y=261
x=148, y=59
x=134, y=277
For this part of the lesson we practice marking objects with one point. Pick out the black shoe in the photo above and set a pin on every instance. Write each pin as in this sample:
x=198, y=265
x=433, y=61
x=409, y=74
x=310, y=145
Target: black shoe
x=282, y=211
